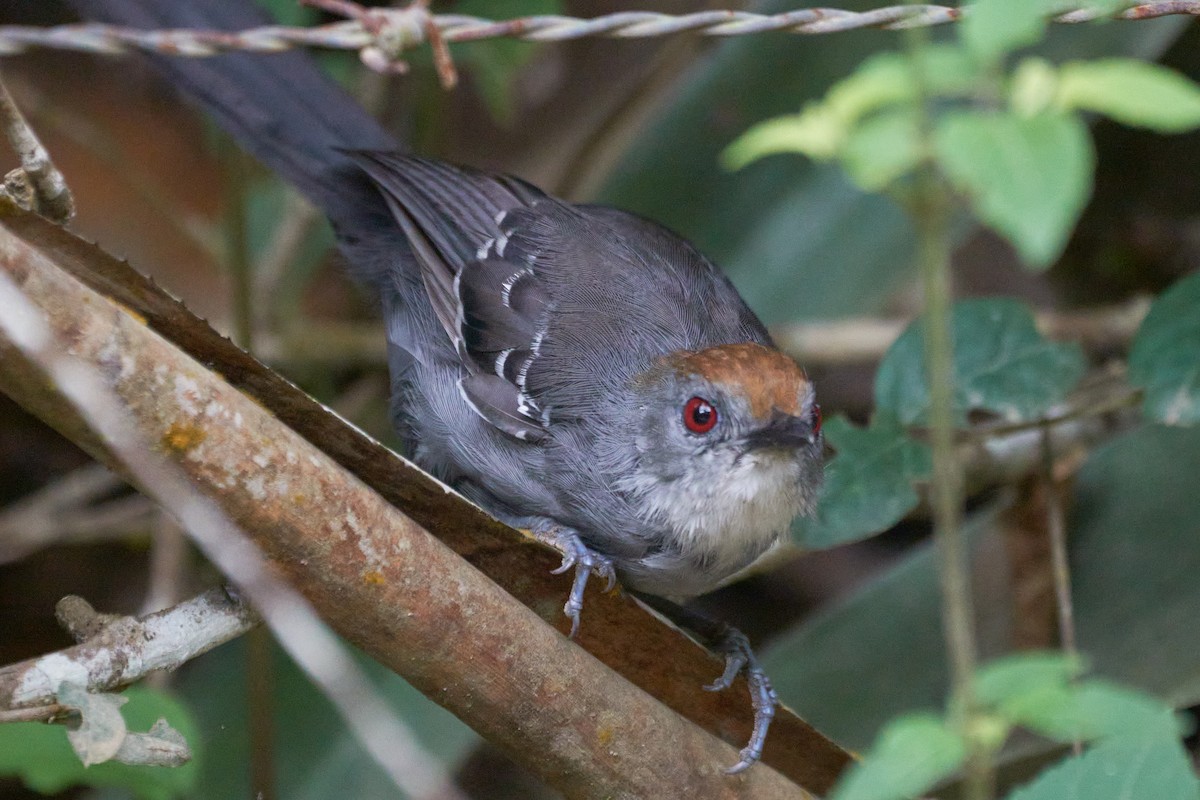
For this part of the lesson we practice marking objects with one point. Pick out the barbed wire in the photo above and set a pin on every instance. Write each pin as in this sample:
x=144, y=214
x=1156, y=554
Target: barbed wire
x=390, y=31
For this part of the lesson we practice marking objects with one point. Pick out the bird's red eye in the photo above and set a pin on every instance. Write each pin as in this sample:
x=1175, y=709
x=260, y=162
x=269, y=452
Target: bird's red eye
x=816, y=419
x=699, y=415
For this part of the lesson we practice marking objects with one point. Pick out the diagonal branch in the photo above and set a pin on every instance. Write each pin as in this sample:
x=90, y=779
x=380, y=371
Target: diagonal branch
x=373, y=573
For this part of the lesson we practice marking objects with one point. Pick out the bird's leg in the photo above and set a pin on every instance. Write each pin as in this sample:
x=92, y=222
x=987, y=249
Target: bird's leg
x=739, y=657
x=585, y=561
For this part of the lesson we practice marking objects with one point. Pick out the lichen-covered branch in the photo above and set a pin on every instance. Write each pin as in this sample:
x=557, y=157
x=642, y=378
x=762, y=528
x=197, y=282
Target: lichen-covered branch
x=373, y=573
x=127, y=649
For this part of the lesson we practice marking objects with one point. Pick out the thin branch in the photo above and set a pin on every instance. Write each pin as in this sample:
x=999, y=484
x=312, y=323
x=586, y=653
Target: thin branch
x=1057, y=530
x=78, y=507
x=373, y=573
x=127, y=650
x=47, y=187
x=50, y=713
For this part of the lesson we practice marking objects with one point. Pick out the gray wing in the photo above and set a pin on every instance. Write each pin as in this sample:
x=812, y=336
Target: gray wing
x=481, y=290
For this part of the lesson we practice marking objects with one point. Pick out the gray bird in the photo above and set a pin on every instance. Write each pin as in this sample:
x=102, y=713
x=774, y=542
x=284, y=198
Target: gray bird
x=576, y=370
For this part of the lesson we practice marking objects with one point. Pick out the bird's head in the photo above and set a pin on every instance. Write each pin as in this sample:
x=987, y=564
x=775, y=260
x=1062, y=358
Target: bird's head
x=729, y=445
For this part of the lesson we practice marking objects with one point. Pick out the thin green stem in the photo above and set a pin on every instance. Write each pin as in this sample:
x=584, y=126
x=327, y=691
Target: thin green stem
x=931, y=213
x=237, y=256
x=1057, y=529
x=259, y=658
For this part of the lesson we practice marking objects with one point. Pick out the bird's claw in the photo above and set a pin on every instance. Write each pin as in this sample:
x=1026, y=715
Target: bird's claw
x=740, y=657
x=585, y=561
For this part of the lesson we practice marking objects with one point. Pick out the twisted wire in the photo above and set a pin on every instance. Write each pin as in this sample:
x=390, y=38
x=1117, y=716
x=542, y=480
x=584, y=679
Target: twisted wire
x=396, y=29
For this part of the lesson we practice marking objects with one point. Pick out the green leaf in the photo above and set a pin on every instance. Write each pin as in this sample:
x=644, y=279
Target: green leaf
x=1165, y=359
x=1038, y=691
x=999, y=681
x=882, y=149
x=1033, y=87
x=1091, y=710
x=814, y=132
x=992, y=28
x=1134, y=560
x=873, y=105
x=868, y=484
x=912, y=753
x=1132, y=92
x=41, y=757
x=1125, y=768
x=1028, y=178
x=1001, y=364
x=887, y=80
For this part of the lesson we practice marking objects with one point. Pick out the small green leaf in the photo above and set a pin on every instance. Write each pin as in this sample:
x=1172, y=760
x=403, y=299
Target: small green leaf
x=1034, y=87
x=882, y=149
x=992, y=28
x=1001, y=364
x=886, y=81
x=814, y=132
x=1131, y=92
x=1001, y=680
x=1165, y=359
x=912, y=754
x=1125, y=768
x=823, y=129
x=1028, y=177
x=880, y=82
x=868, y=484
x=1090, y=710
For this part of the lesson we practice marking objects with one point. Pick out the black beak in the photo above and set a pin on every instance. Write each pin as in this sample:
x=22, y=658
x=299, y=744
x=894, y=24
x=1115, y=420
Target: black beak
x=783, y=430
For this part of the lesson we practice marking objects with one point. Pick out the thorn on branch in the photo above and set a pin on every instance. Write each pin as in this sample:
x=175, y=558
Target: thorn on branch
x=393, y=31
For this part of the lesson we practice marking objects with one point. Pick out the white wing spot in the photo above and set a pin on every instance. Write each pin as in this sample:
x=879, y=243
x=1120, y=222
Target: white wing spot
x=501, y=359
x=509, y=283
x=483, y=248
x=524, y=371
x=501, y=243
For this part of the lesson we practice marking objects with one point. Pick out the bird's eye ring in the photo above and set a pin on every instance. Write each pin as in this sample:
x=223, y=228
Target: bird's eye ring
x=699, y=415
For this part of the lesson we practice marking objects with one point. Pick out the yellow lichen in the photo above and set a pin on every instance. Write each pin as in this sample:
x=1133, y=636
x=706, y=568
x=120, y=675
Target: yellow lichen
x=182, y=437
x=605, y=734
x=374, y=578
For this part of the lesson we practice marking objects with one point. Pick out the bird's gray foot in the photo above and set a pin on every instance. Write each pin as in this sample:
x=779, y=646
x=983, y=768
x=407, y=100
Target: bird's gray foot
x=585, y=561
x=740, y=657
